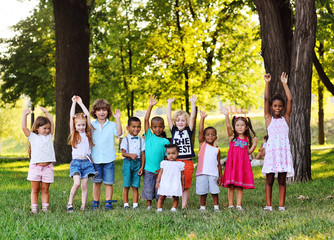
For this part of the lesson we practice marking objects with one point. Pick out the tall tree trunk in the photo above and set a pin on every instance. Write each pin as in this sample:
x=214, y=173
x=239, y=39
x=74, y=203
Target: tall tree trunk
x=321, y=115
x=72, y=67
x=284, y=52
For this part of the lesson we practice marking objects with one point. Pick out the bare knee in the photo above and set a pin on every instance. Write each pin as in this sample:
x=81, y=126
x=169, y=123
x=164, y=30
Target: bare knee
x=270, y=178
x=282, y=180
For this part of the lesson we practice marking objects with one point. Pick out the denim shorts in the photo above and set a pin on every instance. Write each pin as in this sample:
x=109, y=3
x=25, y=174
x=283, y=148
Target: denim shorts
x=105, y=173
x=130, y=172
x=149, y=190
x=206, y=184
x=83, y=167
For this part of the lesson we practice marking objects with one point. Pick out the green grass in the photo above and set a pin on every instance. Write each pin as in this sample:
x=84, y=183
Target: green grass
x=308, y=219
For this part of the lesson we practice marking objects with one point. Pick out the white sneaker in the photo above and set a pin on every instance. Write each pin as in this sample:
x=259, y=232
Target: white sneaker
x=268, y=208
x=159, y=210
x=173, y=210
x=281, y=208
x=230, y=207
x=239, y=208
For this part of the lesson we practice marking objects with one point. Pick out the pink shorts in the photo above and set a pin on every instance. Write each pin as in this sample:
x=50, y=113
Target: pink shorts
x=41, y=173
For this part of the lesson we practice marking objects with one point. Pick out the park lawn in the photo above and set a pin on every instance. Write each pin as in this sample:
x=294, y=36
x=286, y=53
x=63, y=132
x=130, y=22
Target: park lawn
x=312, y=218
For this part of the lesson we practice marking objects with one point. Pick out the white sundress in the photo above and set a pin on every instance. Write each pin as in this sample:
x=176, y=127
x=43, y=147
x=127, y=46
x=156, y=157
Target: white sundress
x=170, y=182
x=278, y=158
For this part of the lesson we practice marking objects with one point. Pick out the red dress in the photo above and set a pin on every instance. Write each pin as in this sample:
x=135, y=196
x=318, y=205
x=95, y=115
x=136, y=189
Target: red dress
x=238, y=170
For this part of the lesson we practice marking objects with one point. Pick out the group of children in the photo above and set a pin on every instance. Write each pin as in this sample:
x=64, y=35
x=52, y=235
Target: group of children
x=166, y=166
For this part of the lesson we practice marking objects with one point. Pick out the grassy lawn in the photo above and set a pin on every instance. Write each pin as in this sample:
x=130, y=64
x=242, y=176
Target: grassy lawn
x=312, y=218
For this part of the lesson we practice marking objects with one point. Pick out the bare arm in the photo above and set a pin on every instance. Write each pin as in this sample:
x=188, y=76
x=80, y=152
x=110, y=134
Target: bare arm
x=267, y=115
x=284, y=80
x=153, y=101
x=159, y=178
x=228, y=124
x=84, y=109
x=72, y=112
x=48, y=116
x=169, y=112
x=117, y=115
x=182, y=180
x=219, y=181
x=192, y=119
x=133, y=156
x=251, y=150
x=25, y=129
x=201, y=127
x=142, y=157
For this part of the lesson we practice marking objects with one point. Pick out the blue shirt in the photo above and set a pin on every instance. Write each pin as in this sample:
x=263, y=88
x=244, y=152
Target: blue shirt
x=103, y=150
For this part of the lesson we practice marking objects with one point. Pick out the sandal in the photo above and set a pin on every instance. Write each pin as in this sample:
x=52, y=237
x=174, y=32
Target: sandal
x=34, y=209
x=108, y=205
x=69, y=208
x=83, y=208
x=95, y=205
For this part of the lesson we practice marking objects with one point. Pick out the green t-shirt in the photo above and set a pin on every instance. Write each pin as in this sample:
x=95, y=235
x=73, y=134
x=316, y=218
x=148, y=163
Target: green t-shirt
x=155, y=151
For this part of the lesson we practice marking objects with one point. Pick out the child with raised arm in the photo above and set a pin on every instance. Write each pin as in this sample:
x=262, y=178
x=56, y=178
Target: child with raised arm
x=170, y=181
x=278, y=159
x=154, y=152
x=103, y=150
x=42, y=155
x=238, y=172
x=181, y=127
x=209, y=171
x=133, y=152
x=81, y=167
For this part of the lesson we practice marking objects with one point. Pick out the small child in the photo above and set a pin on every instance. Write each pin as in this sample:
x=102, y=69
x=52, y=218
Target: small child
x=262, y=149
x=81, y=166
x=170, y=181
x=238, y=172
x=181, y=127
x=278, y=159
x=133, y=152
x=209, y=171
x=154, y=152
x=103, y=150
x=42, y=155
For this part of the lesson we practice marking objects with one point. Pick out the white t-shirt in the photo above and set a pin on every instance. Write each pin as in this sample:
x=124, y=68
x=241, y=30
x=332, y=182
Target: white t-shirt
x=82, y=149
x=134, y=144
x=41, y=148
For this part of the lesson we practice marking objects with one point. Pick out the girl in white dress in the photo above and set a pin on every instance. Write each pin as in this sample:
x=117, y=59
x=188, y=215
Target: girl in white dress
x=170, y=181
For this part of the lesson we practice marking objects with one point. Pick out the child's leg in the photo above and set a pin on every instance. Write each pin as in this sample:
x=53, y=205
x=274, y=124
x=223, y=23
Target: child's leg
x=215, y=199
x=270, y=178
x=126, y=194
x=97, y=191
x=84, y=191
x=230, y=195
x=185, y=197
x=45, y=192
x=281, y=188
x=74, y=189
x=135, y=194
x=109, y=191
x=35, y=188
x=203, y=200
x=175, y=202
x=149, y=203
x=240, y=192
x=161, y=201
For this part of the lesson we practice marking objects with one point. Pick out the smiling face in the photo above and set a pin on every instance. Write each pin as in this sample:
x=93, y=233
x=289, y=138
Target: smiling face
x=134, y=128
x=240, y=127
x=101, y=114
x=80, y=125
x=44, y=129
x=157, y=127
x=210, y=136
x=181, y=122
x=277, y=108
x=172, y=153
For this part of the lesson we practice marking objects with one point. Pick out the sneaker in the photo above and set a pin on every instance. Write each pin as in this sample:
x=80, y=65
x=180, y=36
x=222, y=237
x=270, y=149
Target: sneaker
x=173, y=210
x=239, y=208
x=126, y=207
x=135, y=208
x=217, y=210
x=202, y=210
x=69, y=208
x=281, y=208
x=268, y=208
x=230, y=207
x=149, y=208
x=159, y=210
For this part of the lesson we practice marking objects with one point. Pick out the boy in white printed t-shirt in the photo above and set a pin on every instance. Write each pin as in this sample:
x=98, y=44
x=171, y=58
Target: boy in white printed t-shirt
x=133, y=152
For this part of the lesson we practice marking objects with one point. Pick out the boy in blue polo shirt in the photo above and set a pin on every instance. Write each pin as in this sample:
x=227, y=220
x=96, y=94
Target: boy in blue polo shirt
x=132, y=147
x=103, y=150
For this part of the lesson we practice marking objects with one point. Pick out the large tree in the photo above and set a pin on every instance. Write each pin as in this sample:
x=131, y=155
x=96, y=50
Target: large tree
x=287, y=46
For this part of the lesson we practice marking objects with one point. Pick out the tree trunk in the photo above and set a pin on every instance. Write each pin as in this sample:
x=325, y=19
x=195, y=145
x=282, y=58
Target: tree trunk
x=282, y=53
x=72, y=67
x=321, y=115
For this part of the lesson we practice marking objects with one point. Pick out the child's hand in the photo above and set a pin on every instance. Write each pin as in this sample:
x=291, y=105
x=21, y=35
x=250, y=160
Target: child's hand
x=44, y=110
x=26, y=112
x=140, y=172
x=117, y=114
x=78, y=99
x=224, y=111
x=219, y=181
x=156, y=173
x=203, y=114
x=171, y=100
x=156, y=185
x=74, y=98
x=284, y=77
x=133, y=156
x=193, y=99
x=153, y=100
x=267, y=77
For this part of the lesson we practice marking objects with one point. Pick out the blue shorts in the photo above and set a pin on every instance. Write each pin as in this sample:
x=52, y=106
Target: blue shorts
x=83, y=167
x=206, y=184
x=149, y=191
x=130, y=172
x=105, y=173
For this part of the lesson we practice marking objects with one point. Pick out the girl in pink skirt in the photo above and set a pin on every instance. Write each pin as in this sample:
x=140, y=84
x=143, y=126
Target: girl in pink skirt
x=238, y=172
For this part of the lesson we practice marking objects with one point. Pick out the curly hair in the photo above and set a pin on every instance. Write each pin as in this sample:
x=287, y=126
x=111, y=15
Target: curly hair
x=100, y=104
x=179, y=113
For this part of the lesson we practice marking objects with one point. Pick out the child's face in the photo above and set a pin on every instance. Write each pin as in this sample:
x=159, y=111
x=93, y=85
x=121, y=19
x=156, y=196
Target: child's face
x=210, y=136
x=172, y=154
x=134, y=128
x=240, y=127
x=44, y=129
x=181, y=122
x=80, y=126
x=158, y=127
x=277, y=107
x=101, y=114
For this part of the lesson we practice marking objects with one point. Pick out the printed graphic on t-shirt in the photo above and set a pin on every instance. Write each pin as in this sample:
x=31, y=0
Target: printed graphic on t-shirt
x=182, y=139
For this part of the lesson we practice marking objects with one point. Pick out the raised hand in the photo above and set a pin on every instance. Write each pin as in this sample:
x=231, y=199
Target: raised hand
x=44, y=110
x=153, y=100
x=203, y=114
x=78, y=99
x=223, y=111
x=26, y=112
x=171, y=100
x=267, y=77
x=74, y=98
x=193, y=99
x=117, y=114
x=284, y=77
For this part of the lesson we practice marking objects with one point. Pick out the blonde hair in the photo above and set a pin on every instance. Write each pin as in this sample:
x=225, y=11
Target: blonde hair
x=74, y=137
x=178, y=114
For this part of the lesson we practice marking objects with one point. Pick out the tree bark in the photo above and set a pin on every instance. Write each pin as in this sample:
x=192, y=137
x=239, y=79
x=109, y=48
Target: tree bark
x=321, y=114
x=284, y=52
x=72, y=66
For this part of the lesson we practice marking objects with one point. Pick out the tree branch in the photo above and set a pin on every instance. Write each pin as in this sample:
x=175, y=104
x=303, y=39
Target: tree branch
x=322, y=75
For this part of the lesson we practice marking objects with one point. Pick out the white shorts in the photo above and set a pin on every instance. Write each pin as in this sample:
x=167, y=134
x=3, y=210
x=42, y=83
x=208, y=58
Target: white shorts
x=206, y=184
